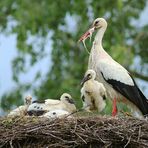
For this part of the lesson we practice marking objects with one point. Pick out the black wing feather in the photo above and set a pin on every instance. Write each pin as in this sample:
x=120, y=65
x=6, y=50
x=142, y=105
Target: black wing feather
x=36, y=112
x=132, y=93
x=38, y=101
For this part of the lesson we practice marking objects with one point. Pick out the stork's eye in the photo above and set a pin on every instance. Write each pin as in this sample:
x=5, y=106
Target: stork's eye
x=66, y=97
x=89, y=75
x=96, y=22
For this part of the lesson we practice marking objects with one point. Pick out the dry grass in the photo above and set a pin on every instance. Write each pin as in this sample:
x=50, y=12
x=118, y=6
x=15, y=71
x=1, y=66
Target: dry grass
x=76, y=132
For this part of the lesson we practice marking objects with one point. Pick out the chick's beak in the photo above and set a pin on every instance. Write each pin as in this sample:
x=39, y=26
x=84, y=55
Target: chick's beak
x=71, y=101
x=84, y=80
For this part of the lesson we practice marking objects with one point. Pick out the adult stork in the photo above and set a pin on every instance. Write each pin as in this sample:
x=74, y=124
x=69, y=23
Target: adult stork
x=118, y=82
x=92, y=93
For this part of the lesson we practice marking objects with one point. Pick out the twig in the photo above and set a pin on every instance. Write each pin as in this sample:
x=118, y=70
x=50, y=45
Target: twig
x=81, y=138
x=127, y=142
x=139, y=133
x=11, y=144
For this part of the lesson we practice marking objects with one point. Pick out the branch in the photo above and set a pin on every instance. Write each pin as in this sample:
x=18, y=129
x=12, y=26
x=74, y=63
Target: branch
x=138, y=75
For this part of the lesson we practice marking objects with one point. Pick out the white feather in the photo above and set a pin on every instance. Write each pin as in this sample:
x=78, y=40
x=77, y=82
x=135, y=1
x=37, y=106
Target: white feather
x=52, y=101
x=113, y=70
x=58, y=113
x=20, y=111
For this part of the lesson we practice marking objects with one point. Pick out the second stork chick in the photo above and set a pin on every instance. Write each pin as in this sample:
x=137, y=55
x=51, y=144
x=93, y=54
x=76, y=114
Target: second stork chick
x=65, y=103
x=21, y=110
x=92, y=93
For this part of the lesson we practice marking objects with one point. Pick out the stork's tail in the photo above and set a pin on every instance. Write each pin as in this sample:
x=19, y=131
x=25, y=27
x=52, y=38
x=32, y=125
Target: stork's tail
x=144, y=102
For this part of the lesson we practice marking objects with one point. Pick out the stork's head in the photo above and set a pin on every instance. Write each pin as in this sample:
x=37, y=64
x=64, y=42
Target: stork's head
x=89, y=75
x=69, y=102
x=28, y=99
x=67, y=98
x=97, y=24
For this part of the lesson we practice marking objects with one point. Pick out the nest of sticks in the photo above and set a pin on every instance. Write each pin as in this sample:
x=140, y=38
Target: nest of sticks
x=90, y=131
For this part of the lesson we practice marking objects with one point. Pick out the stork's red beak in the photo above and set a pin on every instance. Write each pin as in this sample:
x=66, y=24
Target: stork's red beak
x=87, y=34
x=84, y=36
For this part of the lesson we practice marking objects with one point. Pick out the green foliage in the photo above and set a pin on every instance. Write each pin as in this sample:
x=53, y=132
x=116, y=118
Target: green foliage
x=37, y=19
x=14, y=97
x=141, y=44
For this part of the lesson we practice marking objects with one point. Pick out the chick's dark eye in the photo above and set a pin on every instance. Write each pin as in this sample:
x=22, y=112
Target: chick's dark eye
x=89, y=75
x=96, y=22
x=66, y=97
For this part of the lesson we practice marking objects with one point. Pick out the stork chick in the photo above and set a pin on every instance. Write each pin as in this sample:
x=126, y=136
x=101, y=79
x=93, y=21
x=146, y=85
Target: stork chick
x=65, y=103
x=92, y=92
x=21, y=110
x=57, y=113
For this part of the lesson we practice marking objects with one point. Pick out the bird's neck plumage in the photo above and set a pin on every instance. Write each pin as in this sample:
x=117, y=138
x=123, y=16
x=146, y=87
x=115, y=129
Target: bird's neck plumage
x=99, y=36
x=97, y=48
x=97, y=51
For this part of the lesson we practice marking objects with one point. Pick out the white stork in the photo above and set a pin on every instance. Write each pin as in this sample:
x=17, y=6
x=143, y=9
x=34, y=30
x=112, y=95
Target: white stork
x=117, y=80
x=21, y=110
x=40, y=107
x=92, y=92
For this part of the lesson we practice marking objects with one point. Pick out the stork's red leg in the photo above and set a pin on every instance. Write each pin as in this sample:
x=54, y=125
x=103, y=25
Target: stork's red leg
x=114, y=109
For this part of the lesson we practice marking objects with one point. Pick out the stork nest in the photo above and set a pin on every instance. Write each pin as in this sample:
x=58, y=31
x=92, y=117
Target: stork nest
x=82, y=132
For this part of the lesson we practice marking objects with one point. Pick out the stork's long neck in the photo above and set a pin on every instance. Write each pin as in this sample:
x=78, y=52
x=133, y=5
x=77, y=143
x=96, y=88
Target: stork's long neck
x=99, y=36
x=97, y=51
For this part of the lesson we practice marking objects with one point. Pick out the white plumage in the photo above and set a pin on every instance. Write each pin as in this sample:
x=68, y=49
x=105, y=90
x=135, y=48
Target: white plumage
x=92, y=92
x=21, y=110
x=118, y=82
x=57, y=113
x=65, y=103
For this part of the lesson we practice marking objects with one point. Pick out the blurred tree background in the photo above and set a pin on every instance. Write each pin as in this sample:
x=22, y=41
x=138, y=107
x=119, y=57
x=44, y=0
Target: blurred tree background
x=37, y=22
